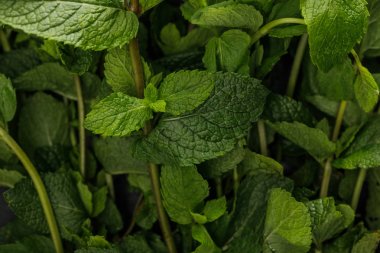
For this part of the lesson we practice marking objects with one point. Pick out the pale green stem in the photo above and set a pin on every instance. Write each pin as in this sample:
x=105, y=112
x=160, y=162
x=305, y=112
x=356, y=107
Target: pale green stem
x=39, y=186
x=358, y=188
x=81, y=130
x=110, y=185
x=219, y=188
x=262, y=137
x=264, y=30
x=296, y=66
x=4, y=41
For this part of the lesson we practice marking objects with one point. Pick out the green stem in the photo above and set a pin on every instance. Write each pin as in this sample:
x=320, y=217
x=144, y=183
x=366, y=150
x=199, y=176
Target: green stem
x=236, y=187
x=296, y=66
x=40, y=188
x=110, y=185
x=262, y=138
x=153, y=168
x=328, y=168
x=264, y=30
x=358, y=188
x=4, y=41
x=82, y=132
x=219, y=188
x=356, y=58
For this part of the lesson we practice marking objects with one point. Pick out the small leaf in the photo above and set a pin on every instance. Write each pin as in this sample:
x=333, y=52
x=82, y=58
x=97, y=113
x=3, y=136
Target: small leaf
x=366, y=89
x=200, y=234
x=185, y=90
x=99, y=199
x=118, y=115
x=228, y=14
x=365, y=158
x=76, y=19
x=8, y=101
x=287, y=224
x=288, y=32
x=215, y=208
x=368, y=243
x=8, y=178
x=183, y=189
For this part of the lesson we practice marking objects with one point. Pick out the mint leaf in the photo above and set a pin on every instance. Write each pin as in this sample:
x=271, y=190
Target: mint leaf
x=72, y=22
x=370, y=45
x=200, y=234
x=118, y=115
x=183, y=189
x=114, y=153
x=228, y=14
x=215, y=208
x=372, y=212
x=255, y=164
x=330, y=46
x=345, y=242
x=29, y=244
x=111, y=217
x=18, y=61
x=210, y=130
x=313, y=140
x=227, y=52
x=172, y=42
x=47, y=76
x=119, y=72
x=287, y=224
x=368, y=243
x=99, y=199
x=63, y=194
x=185, y=90
x=327, y=219
x=148, y=4
x=288, y=32
x=366, y=89
x=43, y=122
x=8, y=101
x=8, y=178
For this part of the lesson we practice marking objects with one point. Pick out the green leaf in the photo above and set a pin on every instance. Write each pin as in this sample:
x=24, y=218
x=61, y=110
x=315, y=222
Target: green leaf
x=368, y=243
x=334, y=29
x=99, y=201
x=247, y=223
x=29, y=244
x=370, y=45
x=200, y=234
x=254, y=164
x=228, y=14
x=115, y=155
x=43, y=122
x=185, y=90
x=287, y=224
x=345, y=242
x=86, y=196
x=76, y=60
x=118, y=115
x=372, y=211
x=8, y=178
x=366, y=89
x=172, y=42
x=8, y=101
x=119, y=72
x=313, y=140
x=72, y=22
x=148, y=4
x=183, y=189
x=346, y=139
x=227, y=52
x=64, y=197
x=111, y=217
x=136, y=244
x=215, y=208
x=328, y=220
x=288, y=32
x=97, y=250
x=18, y=61
x=212, y=129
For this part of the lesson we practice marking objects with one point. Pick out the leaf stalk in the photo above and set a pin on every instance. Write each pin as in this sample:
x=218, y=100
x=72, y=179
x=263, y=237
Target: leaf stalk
x=358, y=188
x=81, y=130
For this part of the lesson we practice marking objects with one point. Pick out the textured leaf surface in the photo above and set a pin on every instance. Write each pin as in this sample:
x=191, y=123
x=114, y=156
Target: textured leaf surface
x=227, y=52
x=8, y=101
x=254, y=164
x=328, y=220
x=43, y=122
x=313, y=140
x=185, y=90
x=63, y=194
x=118, y=115
x=228, y=14
x=366, y=89
x=183, y=188
x=368, y=243
x=371, y=41
x=47, y=76
x=212, y=129
x=29, y=244
x=85, y=24
x=334, y=27
x=287, y=224
x=215, y=208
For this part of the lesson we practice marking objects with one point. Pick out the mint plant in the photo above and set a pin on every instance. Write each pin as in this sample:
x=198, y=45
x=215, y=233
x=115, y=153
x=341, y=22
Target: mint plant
x=190, y=126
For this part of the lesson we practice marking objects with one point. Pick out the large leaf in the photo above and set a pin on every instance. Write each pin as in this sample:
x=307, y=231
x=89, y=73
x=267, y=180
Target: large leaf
x=183, y=189
x=87, y=24
x=228, y=14
x=368, y=243
x=63, y=194
x=334, y=27
x=227, y=52
x=183, y=91
x=327, y=219
x=313, y=140
x=210, y=130
x=287, y=224
x=118, y=115
x=43, y=122
x=29, y=244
